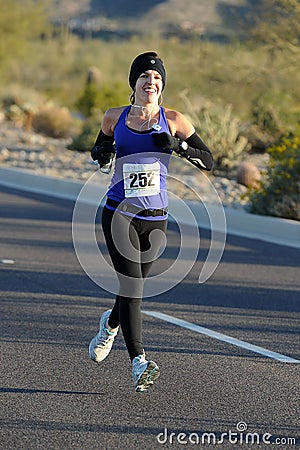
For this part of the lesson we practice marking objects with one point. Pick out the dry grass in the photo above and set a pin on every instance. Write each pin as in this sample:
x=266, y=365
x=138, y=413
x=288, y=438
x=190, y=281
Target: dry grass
x=53, y=121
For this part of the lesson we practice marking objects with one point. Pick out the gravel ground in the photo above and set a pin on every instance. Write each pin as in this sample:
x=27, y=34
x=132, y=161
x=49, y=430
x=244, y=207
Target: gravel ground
x=48, y=156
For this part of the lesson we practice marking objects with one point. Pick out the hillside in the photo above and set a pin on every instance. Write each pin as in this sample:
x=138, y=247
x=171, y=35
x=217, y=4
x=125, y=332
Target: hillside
x=163, y=17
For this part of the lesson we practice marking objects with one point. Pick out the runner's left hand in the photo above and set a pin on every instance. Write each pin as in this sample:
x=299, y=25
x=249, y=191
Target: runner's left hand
x=166, y=141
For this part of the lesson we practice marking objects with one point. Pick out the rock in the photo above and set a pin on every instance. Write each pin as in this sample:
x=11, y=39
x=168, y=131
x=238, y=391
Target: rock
x=248, y=174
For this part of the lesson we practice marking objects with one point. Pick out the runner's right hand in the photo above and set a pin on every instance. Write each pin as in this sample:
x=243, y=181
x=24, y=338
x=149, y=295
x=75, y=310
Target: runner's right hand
x=103, y=153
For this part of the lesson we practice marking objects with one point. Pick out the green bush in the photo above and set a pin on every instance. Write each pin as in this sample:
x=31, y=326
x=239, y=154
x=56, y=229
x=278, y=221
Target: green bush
x=101, y=98
x=93, y=102
x=84, y=141
x=88, y=99
x=279, y=193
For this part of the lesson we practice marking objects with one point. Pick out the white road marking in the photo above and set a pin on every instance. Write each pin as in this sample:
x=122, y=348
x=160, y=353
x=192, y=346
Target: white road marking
x=7, y=261
x=222, y=337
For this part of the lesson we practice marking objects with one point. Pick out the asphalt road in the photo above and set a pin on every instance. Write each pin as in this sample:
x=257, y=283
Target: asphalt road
x=210, y=394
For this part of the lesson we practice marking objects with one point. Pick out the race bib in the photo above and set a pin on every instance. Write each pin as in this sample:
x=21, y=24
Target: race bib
x=141, y=179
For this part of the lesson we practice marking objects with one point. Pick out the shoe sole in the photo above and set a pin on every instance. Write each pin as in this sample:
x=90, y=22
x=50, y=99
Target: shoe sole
x=146, y=380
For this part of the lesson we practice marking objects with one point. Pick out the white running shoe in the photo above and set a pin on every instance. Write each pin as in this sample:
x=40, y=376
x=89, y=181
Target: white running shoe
x=101, y=344
x=144, y=373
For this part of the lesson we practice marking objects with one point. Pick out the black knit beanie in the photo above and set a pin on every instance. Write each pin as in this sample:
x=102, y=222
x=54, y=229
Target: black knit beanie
x=143, y=62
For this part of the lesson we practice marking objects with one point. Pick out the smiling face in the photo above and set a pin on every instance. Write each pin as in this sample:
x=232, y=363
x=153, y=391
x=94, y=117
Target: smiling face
x=148, y=87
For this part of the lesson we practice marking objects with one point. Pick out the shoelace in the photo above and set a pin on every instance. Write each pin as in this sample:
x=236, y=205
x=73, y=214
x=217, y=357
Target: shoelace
x=110, y=333
x=102, y=340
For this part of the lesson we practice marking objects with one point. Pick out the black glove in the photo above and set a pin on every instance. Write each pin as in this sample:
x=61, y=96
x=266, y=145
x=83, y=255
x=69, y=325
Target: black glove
x=166, y=141
x=103, y=153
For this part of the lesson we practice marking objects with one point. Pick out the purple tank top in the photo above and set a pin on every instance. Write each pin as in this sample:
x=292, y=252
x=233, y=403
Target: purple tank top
x=140, y=167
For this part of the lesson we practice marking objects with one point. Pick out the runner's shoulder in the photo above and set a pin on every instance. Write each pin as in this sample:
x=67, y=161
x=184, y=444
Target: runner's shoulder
x=173, y=115
x=113, y=114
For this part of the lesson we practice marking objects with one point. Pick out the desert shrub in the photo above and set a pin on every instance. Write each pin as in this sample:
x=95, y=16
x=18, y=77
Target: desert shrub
x=279, y=192
x=54, y=121
x=88, y=99
x=85, y=139
x=259, y=139
x=95, y=98
x=221, y=132
x=20, y=105
x=273, y=115
x=266, y=116
x=15, y=113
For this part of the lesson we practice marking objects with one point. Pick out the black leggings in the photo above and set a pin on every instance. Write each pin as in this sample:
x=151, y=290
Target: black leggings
x=132, y=253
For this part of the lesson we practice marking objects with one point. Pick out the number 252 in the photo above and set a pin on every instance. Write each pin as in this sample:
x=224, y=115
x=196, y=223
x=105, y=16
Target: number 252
x=141, y=179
